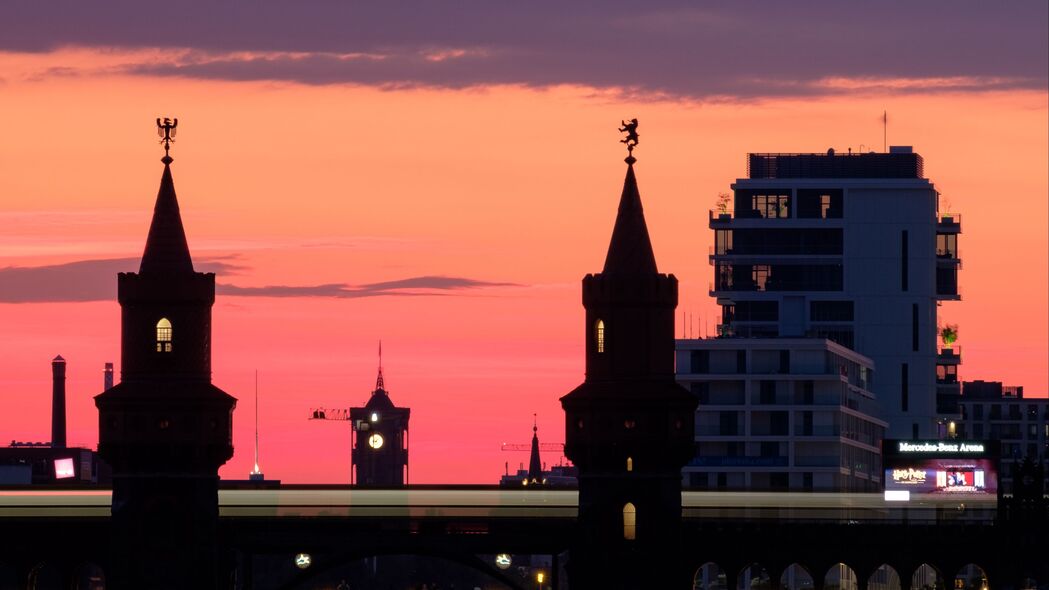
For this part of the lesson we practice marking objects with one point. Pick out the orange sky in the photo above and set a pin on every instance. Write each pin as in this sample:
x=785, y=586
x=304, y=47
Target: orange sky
x=309, y=185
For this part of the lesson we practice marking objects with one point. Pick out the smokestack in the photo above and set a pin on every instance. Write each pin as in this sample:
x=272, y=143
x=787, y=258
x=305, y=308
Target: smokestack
x=58, y=403
x=108, y=384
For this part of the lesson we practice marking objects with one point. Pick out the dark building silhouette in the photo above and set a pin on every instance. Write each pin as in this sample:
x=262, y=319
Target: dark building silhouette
x=629, y=426
x=58, y=402
x=53, y=463
x=380, y=446
x=165, y=429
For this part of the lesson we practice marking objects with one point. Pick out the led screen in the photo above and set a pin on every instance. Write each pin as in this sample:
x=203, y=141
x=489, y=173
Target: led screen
x=943, y=476
x=64, y=469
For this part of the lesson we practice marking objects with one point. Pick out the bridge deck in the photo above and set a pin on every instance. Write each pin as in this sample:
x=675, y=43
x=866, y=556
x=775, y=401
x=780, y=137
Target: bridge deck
x=501, y=503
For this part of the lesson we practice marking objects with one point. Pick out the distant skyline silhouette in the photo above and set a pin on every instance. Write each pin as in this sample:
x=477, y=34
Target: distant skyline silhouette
x=466, y=199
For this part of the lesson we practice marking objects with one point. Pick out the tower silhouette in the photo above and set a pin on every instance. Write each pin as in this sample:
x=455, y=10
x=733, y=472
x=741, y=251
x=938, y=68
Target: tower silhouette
x=380, y=449
x=165, y=429
x=629, y=426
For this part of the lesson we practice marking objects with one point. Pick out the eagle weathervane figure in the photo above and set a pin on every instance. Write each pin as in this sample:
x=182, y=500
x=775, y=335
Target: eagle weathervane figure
x=166, y=131
x=631, y=139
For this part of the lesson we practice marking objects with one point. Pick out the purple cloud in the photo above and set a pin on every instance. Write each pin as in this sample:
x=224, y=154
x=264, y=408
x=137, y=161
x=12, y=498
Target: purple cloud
x=83, y=280
x=95, y=280
x=415, y=286
x=673, y=48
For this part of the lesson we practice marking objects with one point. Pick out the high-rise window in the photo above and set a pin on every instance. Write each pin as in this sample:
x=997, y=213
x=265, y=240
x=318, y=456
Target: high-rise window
x=947, y=245
x=914, y=327
x=760, y=275
x=904, y=269
x=164, y=335
x=599, y=335
x=904, y=387
x=629, y=522
x=771, y=206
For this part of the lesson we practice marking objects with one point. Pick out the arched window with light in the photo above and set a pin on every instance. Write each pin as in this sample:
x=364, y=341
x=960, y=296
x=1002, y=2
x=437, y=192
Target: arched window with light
x=599, y=335
x=164, y=335
x=629, y=522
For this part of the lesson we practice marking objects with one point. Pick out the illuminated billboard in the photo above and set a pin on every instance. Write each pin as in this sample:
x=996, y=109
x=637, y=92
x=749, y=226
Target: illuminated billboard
x=941, y=467
x=64, y=469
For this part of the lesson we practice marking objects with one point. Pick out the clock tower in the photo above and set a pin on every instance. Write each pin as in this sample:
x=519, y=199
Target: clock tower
x=165, y=429
x=629, y=426
x=380, y=440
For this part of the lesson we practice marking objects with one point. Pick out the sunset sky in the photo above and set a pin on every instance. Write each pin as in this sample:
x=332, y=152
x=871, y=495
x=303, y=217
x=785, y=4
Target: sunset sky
x=441, y=176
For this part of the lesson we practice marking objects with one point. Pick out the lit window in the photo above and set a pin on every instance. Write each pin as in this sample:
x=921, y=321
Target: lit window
x=600, y=335
x=629, y=463
x=629, y=522
x=164, y=335
x=761, y=274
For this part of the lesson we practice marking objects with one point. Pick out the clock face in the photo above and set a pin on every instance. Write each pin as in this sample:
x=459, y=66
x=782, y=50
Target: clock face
x=375, y=441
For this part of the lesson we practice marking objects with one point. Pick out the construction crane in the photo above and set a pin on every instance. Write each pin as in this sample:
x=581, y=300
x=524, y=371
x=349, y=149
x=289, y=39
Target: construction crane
x=543, y=447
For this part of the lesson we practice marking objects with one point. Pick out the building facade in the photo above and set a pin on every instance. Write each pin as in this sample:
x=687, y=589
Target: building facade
x=848, y=247
x=991, y=411
x=781, y=414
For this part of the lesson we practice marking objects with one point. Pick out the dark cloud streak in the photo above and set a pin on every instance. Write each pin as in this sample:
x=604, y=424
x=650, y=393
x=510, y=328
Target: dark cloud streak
x=686, y=49
x=95, y=280
x=83, y=280
x=411, y=287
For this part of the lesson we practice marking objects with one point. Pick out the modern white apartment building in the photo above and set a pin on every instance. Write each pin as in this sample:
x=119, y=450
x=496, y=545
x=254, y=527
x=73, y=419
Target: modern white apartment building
x=991, y=411
x=849, y=247
x=781, y=413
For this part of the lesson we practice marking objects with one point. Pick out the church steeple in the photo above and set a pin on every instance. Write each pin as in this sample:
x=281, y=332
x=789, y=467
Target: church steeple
x=166, y=250
x=630, y=251
x=535, y=464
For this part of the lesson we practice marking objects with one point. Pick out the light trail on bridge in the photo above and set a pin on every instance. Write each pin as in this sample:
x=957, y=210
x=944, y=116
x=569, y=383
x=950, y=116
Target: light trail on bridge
x=428, y=502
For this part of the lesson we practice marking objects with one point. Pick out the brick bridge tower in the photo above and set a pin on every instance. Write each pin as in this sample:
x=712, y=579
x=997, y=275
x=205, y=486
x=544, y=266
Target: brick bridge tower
x=629, y=426
x=165, y=429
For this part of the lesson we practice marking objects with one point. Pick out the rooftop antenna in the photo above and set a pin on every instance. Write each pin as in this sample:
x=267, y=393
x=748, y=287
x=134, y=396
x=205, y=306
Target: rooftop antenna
x=885, y=131
x=256, y=474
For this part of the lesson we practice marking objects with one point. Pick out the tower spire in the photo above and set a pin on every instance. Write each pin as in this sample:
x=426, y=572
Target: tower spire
x=379, y=385
x=535, y=465
x=167, y=251
x=630, y=250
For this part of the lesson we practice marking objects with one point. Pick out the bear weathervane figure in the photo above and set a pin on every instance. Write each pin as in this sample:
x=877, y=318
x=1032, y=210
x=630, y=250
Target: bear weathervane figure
x=631, y=140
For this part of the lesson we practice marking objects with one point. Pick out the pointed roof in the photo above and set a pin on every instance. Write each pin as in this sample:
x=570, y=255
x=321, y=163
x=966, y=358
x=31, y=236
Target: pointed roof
x=630, y=251
x=535, y=465
x=166, y=249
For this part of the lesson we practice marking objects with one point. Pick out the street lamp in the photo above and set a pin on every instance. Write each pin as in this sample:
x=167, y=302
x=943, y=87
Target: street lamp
x=539, y=577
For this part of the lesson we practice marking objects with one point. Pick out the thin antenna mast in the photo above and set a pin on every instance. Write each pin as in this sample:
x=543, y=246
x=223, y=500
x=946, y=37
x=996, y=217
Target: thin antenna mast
x=885, y=131
x=256, y=473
